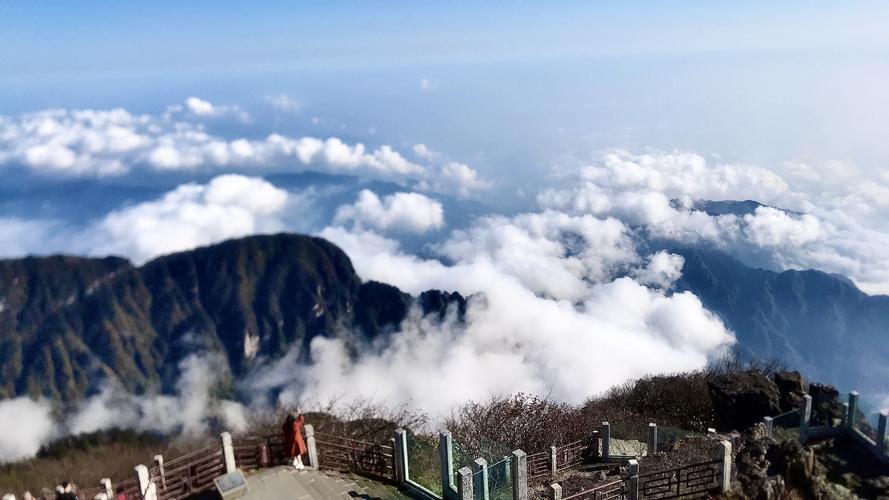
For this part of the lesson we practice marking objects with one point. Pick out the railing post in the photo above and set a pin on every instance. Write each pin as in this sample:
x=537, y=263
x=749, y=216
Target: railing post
x=606, y=441
x=159, y=462
x=446, y=460
x=481, y=468
x=633, y=480
x=652, y=439
x=401, y=465
x=594, y=444
x=555, y=492
x=109, y=489
x=553, y=462
x=311, y=446
x=725, y=478
x=881, y=433
x=769, y=426
x=519, y=475
x=228, y=452
x=850, y=411
x=465, y=489
x=805, y=416
x=146, y=487
x=264, y=459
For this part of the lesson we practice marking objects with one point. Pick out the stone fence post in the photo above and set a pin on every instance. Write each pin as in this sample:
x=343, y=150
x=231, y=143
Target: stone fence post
x=519, y=475
x=311, y=446
x=446, y=460
x=606, y=440
x=159, y=462
x=881, y=433
x=633, y=480
x=481, y=468
x=769, y=426
x=652, y=439
x=146, y=487
x=725, y=478
x=401, y=464
x=594, y=445
x=109, y=489
x=850, y=411
x=228, y=452
x=553, y=462
x=464, y=484
x=554, y=492
x=805, y=416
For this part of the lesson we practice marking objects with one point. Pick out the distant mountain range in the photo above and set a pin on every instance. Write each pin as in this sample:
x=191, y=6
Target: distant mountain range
x=67, y=323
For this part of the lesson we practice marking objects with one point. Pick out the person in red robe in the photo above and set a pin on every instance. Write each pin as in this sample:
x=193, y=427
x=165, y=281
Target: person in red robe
x=294, y=444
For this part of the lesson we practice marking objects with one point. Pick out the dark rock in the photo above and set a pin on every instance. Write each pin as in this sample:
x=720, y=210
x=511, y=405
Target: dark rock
x=740, y=400
x=792, y=387
x=827, y=409
x=753, y=470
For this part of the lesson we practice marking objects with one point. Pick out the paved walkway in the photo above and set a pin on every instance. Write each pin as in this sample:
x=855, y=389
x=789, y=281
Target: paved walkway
x=287, y=483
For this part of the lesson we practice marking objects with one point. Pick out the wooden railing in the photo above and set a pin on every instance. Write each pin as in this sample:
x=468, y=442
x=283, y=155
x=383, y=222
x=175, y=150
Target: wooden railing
x=571, y=454
x=189, y=474
x=689, y=481
x=539, y=467
x=353, y=455
x=615, y=489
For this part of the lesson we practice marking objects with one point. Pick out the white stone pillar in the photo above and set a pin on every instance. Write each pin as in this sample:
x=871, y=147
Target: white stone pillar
x=555, y=492
x=446, y=463
x=464, y=484
x=146, y=487
x=553, y=462
x=769, y=426
x=311, y=446
x=109, y=488
x=606, y=440
x=401, y=464
x=652, y=439
x=805, y=416
x=850, y=411
x=228, y=452
x=159, y=462
x=481, y=468
x=725, y=453
x=519, y=475
x=633, y=480
x=881, y=433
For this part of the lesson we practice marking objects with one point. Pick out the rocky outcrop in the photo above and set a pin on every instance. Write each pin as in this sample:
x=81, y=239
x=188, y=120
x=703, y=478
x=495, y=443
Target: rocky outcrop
x=741, y=400
x=791, y=388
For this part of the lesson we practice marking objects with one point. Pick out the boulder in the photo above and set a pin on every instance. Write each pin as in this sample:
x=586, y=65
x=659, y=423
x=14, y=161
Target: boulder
x=827, y=409
x=740, y=400
x=791, y=387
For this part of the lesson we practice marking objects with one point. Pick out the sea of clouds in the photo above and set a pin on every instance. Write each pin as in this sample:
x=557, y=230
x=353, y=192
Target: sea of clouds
x=566, y=299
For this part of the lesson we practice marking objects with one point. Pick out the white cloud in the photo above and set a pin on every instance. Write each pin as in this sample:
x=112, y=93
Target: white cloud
x=426, y=85
x=842, y=227
x=285, y=103
x=521, y=334
x=200, y=107
x=204, y=108
x=399, y=212
x=189, y=216
x=27, y=424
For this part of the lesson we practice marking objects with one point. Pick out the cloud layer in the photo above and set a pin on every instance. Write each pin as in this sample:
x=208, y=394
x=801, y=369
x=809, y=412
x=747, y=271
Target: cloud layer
x=115, y=142
x=836, y=225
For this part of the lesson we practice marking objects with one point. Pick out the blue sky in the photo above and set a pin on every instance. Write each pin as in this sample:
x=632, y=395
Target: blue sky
x=523, y=95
